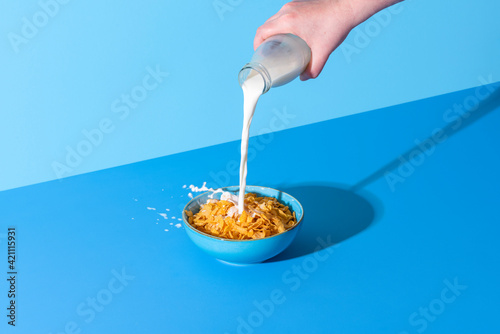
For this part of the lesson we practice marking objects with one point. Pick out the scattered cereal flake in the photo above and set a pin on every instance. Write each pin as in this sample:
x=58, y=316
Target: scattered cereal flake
x=178, y=225
x=164, y=215
x=190, y=195
x=173, y=217
x=151, y=208
x=171, y=223
x=184, y=186
x=166, y=230
x=135, y=199
x=167, y=209
x=132, y=218
x=180, y=219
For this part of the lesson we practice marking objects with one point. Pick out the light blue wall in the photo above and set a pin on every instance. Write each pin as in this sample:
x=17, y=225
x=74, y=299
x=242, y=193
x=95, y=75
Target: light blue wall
x=66, y=76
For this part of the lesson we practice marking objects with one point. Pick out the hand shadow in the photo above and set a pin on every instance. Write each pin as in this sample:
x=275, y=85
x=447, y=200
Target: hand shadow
x=330, y=213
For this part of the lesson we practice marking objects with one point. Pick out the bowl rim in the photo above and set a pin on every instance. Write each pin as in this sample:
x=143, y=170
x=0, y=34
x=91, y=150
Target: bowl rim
x=233, y=240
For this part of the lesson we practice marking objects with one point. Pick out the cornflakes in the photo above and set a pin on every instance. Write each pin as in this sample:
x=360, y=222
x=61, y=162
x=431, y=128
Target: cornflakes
x=263, y=217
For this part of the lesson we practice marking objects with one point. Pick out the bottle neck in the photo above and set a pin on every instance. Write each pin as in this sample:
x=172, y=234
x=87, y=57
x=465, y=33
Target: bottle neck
x=259, y=69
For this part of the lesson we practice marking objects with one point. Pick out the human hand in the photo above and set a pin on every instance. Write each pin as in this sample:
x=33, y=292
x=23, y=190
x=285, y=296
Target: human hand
x=322, y=24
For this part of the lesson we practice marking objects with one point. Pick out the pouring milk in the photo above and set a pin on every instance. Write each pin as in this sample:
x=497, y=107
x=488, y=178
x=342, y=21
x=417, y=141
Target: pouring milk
x=252, y=90
x=277, y=61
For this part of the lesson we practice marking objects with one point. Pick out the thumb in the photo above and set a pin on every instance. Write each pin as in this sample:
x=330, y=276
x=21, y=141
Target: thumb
x=270, y=28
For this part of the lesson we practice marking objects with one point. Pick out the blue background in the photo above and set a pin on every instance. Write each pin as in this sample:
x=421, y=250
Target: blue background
x=389, y=222
x=386, y=250
x=66, y=77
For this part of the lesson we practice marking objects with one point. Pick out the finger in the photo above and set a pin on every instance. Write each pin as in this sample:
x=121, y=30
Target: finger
x=275, y=16
x=319, y=57
x=265, y=31
x=304, y=76
x=280, y=25
x=315, y=66
x=268, y=29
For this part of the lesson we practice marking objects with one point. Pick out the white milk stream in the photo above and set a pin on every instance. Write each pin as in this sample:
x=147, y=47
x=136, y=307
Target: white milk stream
x=252, y=90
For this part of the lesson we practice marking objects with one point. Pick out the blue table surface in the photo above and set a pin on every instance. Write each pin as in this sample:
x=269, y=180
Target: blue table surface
x=395, y=240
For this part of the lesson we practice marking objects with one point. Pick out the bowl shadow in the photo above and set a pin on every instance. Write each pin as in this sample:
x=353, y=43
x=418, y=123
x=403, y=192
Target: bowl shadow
x=331, y=215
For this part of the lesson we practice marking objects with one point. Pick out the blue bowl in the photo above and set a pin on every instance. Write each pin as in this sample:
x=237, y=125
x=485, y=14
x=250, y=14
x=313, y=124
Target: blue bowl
x=243, y=251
